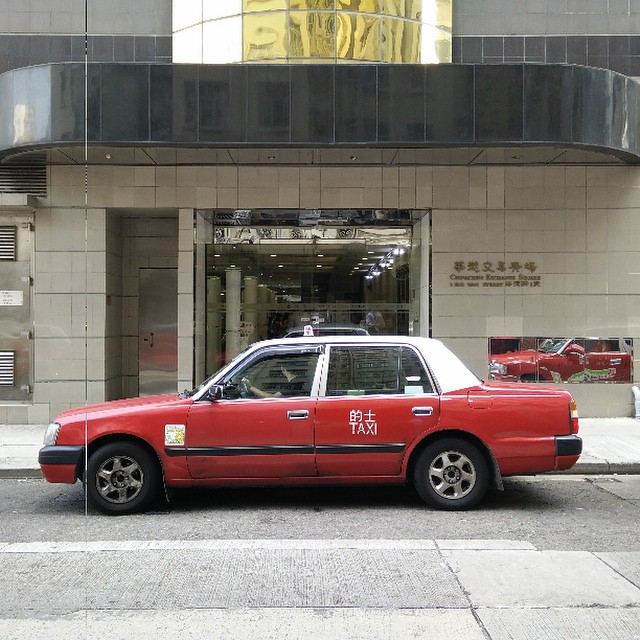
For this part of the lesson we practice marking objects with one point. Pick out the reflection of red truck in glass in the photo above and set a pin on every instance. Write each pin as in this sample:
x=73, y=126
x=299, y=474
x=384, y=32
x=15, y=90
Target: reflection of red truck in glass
x=566, y=360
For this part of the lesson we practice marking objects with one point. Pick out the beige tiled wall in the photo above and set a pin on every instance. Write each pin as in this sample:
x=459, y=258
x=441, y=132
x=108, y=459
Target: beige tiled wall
x=581, y=228
x=579, y=225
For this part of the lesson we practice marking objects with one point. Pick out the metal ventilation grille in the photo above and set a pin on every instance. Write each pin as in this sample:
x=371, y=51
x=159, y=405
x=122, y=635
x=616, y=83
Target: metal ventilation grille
x=7, y=368
x=24, y=174
x=8, y=238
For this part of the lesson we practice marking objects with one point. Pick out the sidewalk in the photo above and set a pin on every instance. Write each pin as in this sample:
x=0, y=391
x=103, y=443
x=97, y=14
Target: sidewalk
x=610, y=445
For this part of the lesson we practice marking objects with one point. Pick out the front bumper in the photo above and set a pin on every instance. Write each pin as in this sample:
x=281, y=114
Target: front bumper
x=61, y=463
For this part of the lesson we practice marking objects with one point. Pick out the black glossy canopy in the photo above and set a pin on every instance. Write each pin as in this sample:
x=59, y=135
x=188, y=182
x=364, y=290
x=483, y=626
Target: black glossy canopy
x=319, y=106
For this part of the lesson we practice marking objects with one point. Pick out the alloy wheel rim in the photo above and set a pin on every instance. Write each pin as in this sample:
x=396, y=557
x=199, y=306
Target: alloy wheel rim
x=119, y=479
x=452, y=475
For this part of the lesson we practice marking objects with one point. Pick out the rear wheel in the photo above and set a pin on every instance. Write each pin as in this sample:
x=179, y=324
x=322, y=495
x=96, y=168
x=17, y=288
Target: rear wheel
x=451, y=474
x=123, y=477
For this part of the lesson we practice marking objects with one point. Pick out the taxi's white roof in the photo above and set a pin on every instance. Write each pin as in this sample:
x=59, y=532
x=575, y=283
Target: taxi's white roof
x=450, y=372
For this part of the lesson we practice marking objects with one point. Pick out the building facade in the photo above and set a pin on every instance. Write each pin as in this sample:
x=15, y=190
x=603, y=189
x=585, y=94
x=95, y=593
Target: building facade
x=466, y=170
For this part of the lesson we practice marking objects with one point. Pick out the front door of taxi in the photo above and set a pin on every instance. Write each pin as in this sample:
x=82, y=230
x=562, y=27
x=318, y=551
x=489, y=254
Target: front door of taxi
x=263, y=427
x=251, y=438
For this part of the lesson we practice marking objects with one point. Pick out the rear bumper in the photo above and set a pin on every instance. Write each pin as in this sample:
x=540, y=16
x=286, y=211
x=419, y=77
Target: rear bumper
x=568, y=450
x=568, y=445
x=61, y=463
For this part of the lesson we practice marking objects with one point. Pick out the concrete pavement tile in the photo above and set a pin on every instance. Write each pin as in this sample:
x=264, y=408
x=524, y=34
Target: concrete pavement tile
x=485, y=544
x=258, y=624
x=626, y=563
x=561, y=624
x=612, y=448
x=540, y=579
x=219, y=579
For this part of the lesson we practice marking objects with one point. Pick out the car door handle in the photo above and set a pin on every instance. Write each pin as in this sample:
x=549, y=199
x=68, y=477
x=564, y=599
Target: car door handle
x=299, y=414
x=422, y=411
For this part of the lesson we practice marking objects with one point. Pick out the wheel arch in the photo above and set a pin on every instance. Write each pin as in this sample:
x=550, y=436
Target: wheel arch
x=94, y=445
x=492, y=463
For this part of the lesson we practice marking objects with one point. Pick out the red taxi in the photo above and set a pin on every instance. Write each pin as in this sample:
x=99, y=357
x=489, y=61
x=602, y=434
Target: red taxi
x=319, y=410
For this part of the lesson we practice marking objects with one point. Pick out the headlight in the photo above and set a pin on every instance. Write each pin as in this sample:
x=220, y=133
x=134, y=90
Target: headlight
x=51, y=434
x=497, y=367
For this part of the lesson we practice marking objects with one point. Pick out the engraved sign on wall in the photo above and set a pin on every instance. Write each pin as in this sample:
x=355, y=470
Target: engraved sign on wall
x=495, y=274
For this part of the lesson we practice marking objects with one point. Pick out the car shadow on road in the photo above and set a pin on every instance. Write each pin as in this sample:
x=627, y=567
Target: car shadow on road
x=518, y=495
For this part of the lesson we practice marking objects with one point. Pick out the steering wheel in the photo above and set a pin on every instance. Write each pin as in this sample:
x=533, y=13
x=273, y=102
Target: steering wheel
x=244, y=389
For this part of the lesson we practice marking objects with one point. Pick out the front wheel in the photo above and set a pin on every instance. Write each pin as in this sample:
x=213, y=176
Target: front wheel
x=451, y=474
x=122, y=477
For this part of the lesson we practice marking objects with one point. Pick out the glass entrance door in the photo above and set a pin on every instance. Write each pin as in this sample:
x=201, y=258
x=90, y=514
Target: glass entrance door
x=340, y=271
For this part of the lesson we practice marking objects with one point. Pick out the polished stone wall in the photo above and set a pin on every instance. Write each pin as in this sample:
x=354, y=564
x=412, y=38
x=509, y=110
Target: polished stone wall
x=596, y=33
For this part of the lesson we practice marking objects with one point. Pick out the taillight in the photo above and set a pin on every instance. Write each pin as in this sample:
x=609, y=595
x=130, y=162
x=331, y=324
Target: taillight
x=573, y=410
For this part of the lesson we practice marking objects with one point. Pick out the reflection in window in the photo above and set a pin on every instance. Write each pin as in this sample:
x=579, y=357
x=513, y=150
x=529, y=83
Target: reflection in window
x=227, y=31
x=374, y=370
x=561, y=359
x=214, y=105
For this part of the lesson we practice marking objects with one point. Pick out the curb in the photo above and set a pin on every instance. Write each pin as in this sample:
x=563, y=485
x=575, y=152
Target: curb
x=604, y=468
x=7, y=474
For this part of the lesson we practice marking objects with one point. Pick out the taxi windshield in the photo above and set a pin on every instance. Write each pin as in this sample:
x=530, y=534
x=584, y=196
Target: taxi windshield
x=553, y=345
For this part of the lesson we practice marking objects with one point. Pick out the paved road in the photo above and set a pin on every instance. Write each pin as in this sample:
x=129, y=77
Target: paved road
x=552, y=557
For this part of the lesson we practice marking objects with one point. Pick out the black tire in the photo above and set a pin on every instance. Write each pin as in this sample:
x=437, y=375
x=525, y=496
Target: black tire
x=122, y=478
x=451, y=474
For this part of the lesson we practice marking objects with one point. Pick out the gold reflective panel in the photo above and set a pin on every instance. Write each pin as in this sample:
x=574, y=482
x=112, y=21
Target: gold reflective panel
x=312, y=34
x=444, y=14
x=222, y=41
x=394, y=31
x=263, y=5
x=187, y=45
x=414, y=8
x=411, y=9
x=214, y=9
x=400, y=41
x=313, y=5
x=265, y=36
x=436, y=45
x=360, y=6
x=358, y=37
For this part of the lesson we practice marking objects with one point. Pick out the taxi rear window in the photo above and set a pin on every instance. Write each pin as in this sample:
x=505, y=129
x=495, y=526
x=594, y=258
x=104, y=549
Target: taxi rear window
x=373, y=370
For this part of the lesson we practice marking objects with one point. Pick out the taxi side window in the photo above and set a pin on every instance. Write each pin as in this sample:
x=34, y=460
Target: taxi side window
x=413, y=378
x=369, y=370
x=286, y=375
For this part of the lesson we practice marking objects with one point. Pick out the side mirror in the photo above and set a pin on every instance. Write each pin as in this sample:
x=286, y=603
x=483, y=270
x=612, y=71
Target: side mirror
x=215, y=393
x=575, y=349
